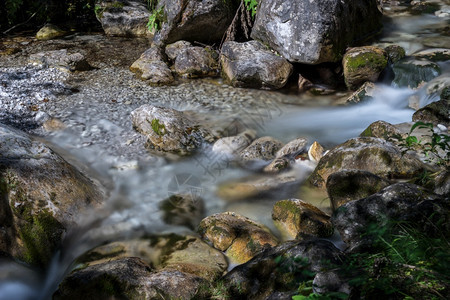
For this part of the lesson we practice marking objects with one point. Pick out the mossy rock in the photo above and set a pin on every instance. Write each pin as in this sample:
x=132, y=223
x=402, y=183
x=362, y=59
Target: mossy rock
x=437, y=113
x=395, y=53
x=49, y=32
x=380, y=129
x=439, y=54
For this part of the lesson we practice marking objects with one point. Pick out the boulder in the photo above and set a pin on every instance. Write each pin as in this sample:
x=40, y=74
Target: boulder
x=123, y=17
x=348, y=185
x=168, y=130
x=413, y=72
x=360, y=222
x=394, y=53
x=264, y=148
x=374, y=155
x=63, y=59
x=297, y=219
x=186, y=210
x=203, y=21
x=232, y=145
x=437, y=113
x=252, y=65
x=314, y=32
x=196, y=62
x=172, y=50
x=152, y=66
x=281, y=269
x=187, y=254
x=239, y=237
x=49, y=32
x=42, y=197
x=277, y=165
x=381, y=129
x=363, y=64
x=293, y=148
x=127, y=278
x=439, y=54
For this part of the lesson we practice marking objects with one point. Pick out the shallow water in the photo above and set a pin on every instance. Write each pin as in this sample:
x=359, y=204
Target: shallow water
x=100, y=140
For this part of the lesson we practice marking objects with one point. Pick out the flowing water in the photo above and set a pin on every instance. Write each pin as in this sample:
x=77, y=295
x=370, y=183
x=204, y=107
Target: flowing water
x=100, y=140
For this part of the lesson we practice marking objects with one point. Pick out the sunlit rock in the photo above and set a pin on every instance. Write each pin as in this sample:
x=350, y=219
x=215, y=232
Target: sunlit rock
x=297, y=219
x=315, y=152
x=49, y=32
x=239, y=237
x=252, y=65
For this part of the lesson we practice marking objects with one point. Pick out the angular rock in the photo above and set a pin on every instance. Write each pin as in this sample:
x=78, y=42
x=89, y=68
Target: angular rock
x=264, y=148
x=439, y=54
x=234, y=144
x=437, y=113
x=239, y=237
x=348, y=185
x=123, y=17
x=168, y=130
x=127, y=278
x=252, y=65
x=412, y=72
x=172, y=50
x=152, y=66
x=203, y=21
x=363, y=64
x=313, y=32
x=49, y=32
x=381, y=129
x=358, y=220
x=67, y=60
x=315, y=152
x=364, y=93
x=297, y=219
x=369, y=154
x=277, y=165
x=293, y=148
x=196, y=62
x=280, y=269
x=42, y=197
x=327, y=282
x=186, y=210
x=394, y=53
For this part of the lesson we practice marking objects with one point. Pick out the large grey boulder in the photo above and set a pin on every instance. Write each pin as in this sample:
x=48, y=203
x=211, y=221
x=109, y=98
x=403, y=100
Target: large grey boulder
x=252, y=65
x=202, y=21
x=41, y=197
x=313, y=32
x=123, y=18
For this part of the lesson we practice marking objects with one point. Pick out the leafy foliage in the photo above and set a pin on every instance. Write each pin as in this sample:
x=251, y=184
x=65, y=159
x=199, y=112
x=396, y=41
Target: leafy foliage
x=252, y=6
x=155, y=19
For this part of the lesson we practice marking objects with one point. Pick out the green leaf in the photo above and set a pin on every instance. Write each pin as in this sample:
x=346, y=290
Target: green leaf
x=420, y=125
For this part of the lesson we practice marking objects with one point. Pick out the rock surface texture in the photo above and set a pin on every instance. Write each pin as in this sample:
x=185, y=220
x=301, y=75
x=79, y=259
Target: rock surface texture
x=152, y=66
x=313, y=32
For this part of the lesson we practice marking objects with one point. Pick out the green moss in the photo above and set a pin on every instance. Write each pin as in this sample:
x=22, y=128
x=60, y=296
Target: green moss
x=366, y=59
x=159, y=129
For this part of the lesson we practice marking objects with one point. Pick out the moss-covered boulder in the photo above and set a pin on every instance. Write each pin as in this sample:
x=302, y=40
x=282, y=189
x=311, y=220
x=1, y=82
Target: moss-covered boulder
x=49, y=32
x=297, y=219
x=42, y=197
x=437, y=113
x=374, y=155
x=363, y=64
x=381, y=129
x=127, y=278
x=152, y=66
x=414, y=72
x=239, y=237
x=348, y=185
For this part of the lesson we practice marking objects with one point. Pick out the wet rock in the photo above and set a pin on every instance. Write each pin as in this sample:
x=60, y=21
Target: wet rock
x=348, y=185
x=234, y=144
x=297, y=219
x=42, y=197
x=437, y=113
x=49, y=32
x=127, y=278
x=264, y=148
x=440, y=54
x=381, y=129
x=172, y=50
x=247, y=188
x=441, y=41
x=186, y=210
x=304, y=84
x=369, y=154
x=394, y=53
x=365, y=92
x=394, y=204
x=309, y=32
x=63, y=59
x=330, y=282
x=277, y=165
x=168, y=130
x=363, y=64
x=281, y=269
x=442, y=183
x=187, y=254
x=252, y=65
x=152, y=66
x=194, y=21
x=412, y=73
x=315, y=152
x=123, y=17
x=437, y=87
x=196, y=62
x=293, y=148
x=239, y=237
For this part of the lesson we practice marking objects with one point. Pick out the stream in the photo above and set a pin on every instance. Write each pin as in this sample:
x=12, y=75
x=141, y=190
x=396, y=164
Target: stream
x=97, y=136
